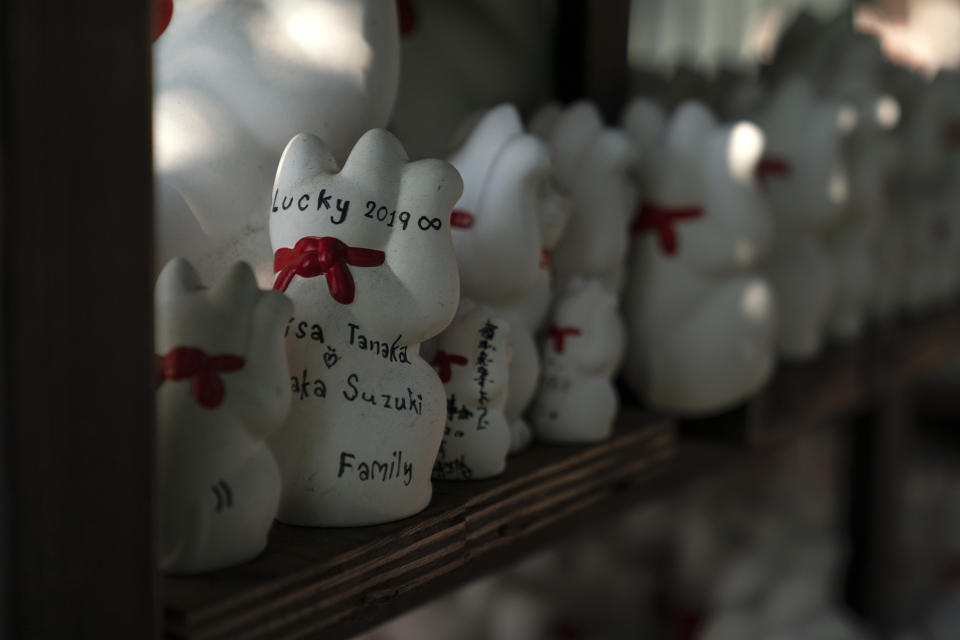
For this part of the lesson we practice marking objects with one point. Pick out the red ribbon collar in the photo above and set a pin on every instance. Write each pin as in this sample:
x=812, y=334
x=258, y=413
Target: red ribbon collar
x=661, y=219
x=313, y=256
x=442, y=362
x=203, y=370
x=771, y=166
x=559, y=336
x=461, y=219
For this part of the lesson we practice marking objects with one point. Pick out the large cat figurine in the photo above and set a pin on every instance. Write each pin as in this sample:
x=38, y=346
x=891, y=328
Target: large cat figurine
x=700, y=318
x=366, y=255
x=234, y=81
x=223, y=389
x=596, y=166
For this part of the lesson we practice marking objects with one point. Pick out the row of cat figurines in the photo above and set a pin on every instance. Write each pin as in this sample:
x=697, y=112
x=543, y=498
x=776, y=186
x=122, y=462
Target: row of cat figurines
x=433, y=344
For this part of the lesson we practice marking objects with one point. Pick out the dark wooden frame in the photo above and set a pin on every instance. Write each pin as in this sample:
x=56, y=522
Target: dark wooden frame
x=75, y=267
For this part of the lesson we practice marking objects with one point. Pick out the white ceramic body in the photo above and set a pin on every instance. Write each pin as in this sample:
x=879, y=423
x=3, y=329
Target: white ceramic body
x=219, y=485
x=701, y=320
x=474, y=351
x=596, y=166
x=808, y=133
x=234, y=81
x=507, y=194
x=368, y=412
x=576, y=401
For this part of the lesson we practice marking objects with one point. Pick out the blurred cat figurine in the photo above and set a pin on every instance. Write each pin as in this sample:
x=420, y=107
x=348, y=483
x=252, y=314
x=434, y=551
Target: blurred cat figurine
x=700, y=318
x=223, y=389
x=576, y=401
x=234, y=81
x=596, y=166
x=366, y=255
x=499, y=226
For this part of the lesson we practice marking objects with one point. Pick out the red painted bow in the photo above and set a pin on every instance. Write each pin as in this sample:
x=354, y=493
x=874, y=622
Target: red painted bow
x=442, y=362
x=559, y=336
x=772, y=166
x=544, y=259
x=461, y=218
x=659, y=218
x=203, y=370
x=312, y=257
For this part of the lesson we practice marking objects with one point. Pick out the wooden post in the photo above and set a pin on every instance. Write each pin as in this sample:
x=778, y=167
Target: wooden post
x=76, y=432
x=591, y=53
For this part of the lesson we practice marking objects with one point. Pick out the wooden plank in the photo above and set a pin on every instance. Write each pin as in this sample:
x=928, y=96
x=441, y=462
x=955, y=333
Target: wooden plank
x=75, y=262
x=842, y=381
x=339, y=581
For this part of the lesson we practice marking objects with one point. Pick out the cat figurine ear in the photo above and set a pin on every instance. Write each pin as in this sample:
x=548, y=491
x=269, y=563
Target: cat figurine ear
x=367, y=257
x=222, y=389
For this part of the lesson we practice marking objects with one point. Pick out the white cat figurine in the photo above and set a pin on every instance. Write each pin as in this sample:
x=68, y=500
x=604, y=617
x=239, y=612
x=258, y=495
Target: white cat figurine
x=596, y=165
x=700, y=318
x=804, y=176
x=365, y=253
x=234, y=81
x=472, y=357
x=498, y=239
x=576, y=401
x=223, y=389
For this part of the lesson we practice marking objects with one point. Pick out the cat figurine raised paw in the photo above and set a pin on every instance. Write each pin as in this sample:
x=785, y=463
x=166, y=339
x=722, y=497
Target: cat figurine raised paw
x=366, y=255
x=223, y=389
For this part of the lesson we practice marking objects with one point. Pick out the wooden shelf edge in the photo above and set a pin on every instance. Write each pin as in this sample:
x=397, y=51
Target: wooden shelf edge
x=340, y=581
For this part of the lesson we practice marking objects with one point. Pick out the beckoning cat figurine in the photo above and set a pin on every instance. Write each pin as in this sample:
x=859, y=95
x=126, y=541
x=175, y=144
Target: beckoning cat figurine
x=582, y=347
x=234, y=81
x=223, y=389
x=804, y=175
x=499, y=225
x=472, y=358
x=700, y=318
x=366, y=255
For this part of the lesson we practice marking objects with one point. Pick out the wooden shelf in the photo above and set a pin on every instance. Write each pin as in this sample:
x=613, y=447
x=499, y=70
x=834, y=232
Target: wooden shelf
x=845, y=379
x=337, y=582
